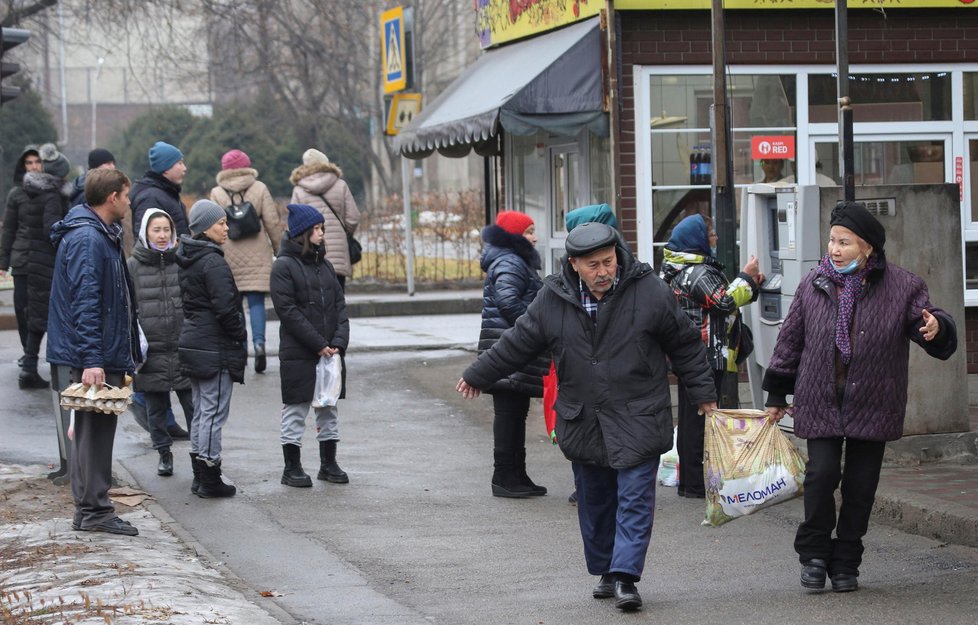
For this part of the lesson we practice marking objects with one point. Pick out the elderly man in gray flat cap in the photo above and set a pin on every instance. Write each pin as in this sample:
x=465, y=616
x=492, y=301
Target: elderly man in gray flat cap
x=610, y=323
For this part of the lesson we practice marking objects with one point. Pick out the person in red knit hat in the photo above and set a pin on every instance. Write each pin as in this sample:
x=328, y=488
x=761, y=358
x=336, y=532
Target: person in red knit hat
x=511, y=261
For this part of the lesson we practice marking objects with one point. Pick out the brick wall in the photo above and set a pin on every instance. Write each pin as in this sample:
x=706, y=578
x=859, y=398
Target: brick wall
x=774, y=37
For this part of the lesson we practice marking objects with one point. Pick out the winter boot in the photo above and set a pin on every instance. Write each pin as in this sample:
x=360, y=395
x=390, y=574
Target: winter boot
x=260, y=361
x=293, y=475
x=211, y=484
x=31, y=380
x=536, y=491
x=165, y=467
x=61, y=472
x=506, y=480
x=328, y=469
x=195, y=467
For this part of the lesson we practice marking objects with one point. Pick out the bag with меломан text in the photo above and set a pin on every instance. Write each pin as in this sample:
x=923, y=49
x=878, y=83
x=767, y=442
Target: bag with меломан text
x=243, y=220
x=356, y=250
x=749, y=464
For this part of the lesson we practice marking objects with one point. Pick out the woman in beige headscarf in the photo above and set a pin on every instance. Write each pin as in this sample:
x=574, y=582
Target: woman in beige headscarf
x=319, y=183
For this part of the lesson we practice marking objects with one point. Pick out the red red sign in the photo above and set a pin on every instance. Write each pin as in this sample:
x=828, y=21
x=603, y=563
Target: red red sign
x=777, y=146
x=959, y=176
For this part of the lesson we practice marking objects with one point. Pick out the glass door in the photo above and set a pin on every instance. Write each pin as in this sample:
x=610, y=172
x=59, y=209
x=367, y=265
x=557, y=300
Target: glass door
x=565, y=195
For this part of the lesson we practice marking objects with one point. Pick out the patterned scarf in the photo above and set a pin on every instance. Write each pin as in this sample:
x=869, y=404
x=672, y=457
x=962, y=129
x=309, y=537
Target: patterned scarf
x=852, y=286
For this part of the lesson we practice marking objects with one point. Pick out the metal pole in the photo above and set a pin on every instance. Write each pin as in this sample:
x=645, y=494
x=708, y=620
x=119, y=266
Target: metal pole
x=408, y=230
x=846, y=149
x=64, y=88
x=721, y=182
x=98, y=70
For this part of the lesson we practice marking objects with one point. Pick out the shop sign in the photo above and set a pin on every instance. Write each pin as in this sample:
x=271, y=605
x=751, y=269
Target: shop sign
x=959, y=176
x=626, y=5
x=779, y=146
x=499, y=21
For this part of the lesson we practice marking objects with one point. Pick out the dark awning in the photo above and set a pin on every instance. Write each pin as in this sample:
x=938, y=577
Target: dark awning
x=537, y=82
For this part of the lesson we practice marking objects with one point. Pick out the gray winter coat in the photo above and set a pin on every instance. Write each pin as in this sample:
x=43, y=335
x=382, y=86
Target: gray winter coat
x=613, y=407
x=873, y=388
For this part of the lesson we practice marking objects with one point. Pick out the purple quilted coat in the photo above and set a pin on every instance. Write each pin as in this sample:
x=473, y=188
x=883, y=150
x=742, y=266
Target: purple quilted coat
x=868, y=400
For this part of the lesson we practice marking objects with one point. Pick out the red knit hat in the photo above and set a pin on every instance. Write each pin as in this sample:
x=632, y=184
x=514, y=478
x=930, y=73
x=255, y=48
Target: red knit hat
x=513, y=222
x=235, y=159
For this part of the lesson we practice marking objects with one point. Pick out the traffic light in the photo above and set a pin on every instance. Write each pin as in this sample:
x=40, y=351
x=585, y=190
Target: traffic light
x=10, y=38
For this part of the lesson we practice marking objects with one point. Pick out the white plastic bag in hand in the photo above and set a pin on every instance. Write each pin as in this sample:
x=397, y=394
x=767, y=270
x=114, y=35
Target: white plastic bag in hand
x=669, y=465
x=329, y=381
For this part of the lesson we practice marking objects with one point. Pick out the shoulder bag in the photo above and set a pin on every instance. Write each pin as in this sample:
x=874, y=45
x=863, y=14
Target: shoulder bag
x=356, y=250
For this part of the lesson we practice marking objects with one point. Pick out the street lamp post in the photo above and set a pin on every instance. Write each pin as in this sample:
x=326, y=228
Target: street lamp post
x=98, y=70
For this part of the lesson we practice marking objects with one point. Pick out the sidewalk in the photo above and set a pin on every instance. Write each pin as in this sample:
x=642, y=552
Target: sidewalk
x=164, y=575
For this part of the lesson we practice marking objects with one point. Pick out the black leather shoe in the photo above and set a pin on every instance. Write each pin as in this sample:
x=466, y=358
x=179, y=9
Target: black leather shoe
x=627, y=597
x=165, y=467
x=844, y=582
x=114, y=525
x=177, y=433
x=813, y=574
x=260, y=360
x=605, y=588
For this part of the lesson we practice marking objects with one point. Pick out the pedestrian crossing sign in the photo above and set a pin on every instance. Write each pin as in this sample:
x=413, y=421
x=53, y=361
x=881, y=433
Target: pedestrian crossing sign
x=392, y=51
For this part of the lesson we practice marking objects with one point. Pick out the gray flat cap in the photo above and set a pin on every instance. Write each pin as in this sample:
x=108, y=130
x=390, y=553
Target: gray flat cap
x=590, y=237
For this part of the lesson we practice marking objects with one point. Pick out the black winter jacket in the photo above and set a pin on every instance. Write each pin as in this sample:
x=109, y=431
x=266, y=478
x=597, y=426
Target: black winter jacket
x=613, y=407
x=310, y=304
x=510, y=262
x=213, y=334
x=157, y=281
x=14, y=243
x=48, y=204
x=155, y=191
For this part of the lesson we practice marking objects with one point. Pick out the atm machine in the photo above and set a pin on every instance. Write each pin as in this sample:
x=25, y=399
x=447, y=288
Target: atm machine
x=779, y=225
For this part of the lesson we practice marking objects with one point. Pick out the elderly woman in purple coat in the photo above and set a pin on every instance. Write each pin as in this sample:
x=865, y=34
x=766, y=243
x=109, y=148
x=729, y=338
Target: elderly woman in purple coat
x=842, y=353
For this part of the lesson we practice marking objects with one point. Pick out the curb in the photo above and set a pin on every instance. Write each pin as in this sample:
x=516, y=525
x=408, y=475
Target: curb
x=940, y=520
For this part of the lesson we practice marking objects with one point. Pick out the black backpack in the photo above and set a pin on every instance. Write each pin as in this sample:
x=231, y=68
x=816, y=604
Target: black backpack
x=243, y=219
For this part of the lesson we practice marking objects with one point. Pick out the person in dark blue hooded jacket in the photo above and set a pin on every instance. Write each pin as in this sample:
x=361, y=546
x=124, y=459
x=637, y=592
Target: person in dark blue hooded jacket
x=510, y=261
x=92, y=336
x=698, y=281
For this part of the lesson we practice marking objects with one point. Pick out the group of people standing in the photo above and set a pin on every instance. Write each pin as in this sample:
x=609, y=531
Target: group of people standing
x=615, y=329
x=172, y=312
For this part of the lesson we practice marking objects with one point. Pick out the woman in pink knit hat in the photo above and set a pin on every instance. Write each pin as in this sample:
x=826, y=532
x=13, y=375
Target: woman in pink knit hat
x=511, y=261
x=250, y=255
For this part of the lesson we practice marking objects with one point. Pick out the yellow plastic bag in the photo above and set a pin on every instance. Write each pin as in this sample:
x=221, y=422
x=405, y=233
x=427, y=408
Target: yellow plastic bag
x=749, y=464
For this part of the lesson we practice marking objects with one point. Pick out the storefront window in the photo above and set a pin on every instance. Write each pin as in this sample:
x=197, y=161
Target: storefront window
x=892, y=97
x=970, y=95
x=971, y=265
x=889, y=162
x=529, y=175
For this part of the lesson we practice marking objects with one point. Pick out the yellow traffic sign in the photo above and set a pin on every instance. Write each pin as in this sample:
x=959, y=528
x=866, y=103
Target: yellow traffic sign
x=392, y=57
x=404, y=108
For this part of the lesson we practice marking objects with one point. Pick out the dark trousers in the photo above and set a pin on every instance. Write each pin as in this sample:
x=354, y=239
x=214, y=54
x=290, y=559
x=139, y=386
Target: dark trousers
x=91, y=461
x=157, y=404
x=509, y=421
x=20, y=307
x=859, y=475
x=32, y=349
x=691, y=428
x=615, y=508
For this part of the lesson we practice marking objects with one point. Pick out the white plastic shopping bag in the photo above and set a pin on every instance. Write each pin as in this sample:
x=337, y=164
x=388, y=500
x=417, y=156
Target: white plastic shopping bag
x=669, y=464
x=329, y=381
x=749, y=464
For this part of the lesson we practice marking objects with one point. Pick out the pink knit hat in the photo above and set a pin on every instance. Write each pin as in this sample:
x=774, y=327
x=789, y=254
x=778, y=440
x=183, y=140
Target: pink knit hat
x=235, y=159
x=513, y=222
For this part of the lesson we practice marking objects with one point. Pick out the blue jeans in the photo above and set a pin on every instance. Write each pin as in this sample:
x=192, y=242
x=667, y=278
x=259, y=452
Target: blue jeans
x=256, y=311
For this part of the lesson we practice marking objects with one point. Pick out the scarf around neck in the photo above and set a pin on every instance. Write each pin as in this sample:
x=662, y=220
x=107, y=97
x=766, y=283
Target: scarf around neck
x=852, y=286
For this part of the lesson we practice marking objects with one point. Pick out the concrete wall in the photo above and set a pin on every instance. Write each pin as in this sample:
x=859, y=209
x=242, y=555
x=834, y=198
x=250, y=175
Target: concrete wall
x=924, y=236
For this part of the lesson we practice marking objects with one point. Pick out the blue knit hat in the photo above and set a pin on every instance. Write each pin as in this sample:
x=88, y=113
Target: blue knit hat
x=690, y=235
x=301, y=218
x=163, y=156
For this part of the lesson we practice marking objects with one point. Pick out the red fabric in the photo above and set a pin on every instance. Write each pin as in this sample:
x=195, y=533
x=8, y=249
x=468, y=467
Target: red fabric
x=549, y=398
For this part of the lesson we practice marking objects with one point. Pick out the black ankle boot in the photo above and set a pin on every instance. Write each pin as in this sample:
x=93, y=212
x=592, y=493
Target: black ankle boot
x=195, y=467
x=536, y=491
x=506, y=481
x=293, y=475
x=32, y=380
x=260, y=361
x=165, y=467
x=211, y=484
x=328, y=469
